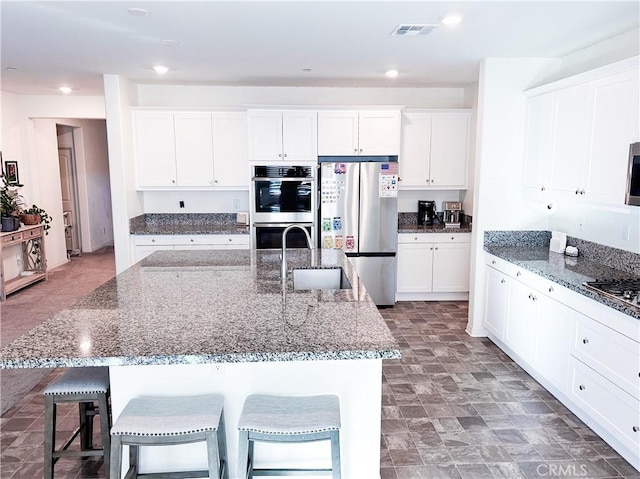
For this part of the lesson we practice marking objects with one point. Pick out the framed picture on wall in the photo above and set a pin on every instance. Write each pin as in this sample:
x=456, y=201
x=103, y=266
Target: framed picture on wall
x=11, y=170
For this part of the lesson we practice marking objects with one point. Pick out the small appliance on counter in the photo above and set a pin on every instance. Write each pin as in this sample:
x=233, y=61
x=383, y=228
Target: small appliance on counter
x=426, y=212
x=558, y=242
x=452, y=214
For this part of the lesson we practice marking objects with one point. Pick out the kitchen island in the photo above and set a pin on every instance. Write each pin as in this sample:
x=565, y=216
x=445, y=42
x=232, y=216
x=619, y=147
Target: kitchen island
x=196, y=322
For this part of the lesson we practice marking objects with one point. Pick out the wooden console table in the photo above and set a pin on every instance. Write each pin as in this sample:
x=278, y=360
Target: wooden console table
x=34, y=260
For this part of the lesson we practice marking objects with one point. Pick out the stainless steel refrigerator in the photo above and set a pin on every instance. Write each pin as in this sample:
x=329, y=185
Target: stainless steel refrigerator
x=359, y=214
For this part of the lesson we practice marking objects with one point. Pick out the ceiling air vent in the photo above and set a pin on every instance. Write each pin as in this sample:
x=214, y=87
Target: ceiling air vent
x=412, y=30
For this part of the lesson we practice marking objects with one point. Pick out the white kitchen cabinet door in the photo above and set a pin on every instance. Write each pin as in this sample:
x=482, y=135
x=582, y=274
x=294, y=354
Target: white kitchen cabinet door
x=496, y=302
x=155, y=149
x=571, y=142
x=553, y=326
x=450, y=267
x=615, y=127
x=265, y=135
x=194, y=148
x=415, y=266
x=538, y=146
x=300, y=136
x=230, y=151
x=337, y=133
x=144, y=245
x=415, y=150
x=449, y=149
x=521, y=323
x=379, y=133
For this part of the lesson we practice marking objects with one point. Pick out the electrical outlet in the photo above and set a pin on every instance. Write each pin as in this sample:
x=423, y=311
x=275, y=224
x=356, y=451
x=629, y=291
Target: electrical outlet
x=625, y=233
x=581, y=226
x=217, y=368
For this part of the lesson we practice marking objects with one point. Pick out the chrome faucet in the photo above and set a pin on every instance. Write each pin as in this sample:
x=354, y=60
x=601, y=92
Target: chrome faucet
x=283, y=267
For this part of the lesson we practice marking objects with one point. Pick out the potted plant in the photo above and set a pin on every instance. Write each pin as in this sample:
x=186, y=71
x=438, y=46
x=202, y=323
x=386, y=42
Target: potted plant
x=10, y=203
x=34, y=216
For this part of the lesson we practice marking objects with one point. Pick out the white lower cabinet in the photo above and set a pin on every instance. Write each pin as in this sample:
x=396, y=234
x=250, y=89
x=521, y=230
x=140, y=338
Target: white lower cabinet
x=432, y=266
x=144, y=245
x=584, y=353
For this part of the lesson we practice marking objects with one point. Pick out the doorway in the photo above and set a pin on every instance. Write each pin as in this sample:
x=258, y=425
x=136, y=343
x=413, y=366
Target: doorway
x=70, y=205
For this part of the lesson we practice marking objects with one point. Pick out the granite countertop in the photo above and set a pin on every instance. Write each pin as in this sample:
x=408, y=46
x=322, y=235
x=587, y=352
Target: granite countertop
x=184, y=307
x=186, y=224
x=437, y=228
x=567, y=271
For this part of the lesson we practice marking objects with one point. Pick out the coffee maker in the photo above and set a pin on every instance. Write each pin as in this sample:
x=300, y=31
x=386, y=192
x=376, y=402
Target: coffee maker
x=452, y=214
x=426, y=212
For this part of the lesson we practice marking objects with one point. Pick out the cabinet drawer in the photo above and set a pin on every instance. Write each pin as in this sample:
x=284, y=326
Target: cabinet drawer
x=613, y=355
x=610, y=406
x=153, y=240
x=213, y=240
x=32, y=233
x=408, y=238
x=11, y=237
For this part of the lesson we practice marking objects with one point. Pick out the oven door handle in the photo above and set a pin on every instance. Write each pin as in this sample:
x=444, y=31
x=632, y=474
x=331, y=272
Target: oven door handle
x=280, y=225
x=288, y=178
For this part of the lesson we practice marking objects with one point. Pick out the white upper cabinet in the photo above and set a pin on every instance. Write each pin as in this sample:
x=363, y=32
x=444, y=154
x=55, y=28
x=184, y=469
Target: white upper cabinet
x=194, y=149
x=434, y=150
x=348, y=133
x=230, y=154
x=538, y=146
x=188, y=149
x=155, y=149
x=577, y=140
x=289, y=136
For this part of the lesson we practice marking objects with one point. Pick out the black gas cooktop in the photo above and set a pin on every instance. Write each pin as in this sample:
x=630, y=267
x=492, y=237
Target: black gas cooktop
x=626, y=290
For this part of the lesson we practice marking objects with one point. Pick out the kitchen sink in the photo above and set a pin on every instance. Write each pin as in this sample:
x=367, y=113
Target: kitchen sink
x=320, y=278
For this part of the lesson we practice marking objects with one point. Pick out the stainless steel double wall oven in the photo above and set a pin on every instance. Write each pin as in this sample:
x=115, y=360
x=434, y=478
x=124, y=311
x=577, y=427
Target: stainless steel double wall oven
x=280, y=196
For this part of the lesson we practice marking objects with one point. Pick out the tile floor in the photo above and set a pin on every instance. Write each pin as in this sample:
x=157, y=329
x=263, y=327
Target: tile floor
x=454, y=406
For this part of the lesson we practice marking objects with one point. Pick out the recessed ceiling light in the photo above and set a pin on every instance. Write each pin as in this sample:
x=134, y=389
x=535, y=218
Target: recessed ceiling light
x=11, y=69
x=451, y=20
x=391, y=73
x=138, y=12
x=65, y=89
x=170, y=43
x=161, y=70
x=306, y=70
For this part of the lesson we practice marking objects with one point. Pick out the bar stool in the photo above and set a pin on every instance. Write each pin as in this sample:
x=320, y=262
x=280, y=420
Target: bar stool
x=266, y=418
x=164, y=421
x=86, y=386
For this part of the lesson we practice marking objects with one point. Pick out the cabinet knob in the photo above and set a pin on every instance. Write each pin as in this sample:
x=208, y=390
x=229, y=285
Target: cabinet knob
x=582, y=192
x=230, y=239
x=215, y=181
x=543, y=188
x=427, y=180
x=585, y=341
x=530, y=297
x=192, y=240
x=493, y=261
x=432, y=180
x=415, y=238
x=279, y=155
x=355, y=150
x=502, y=281
x=453, y=237
x=518, y=273
x=153, y=241
x=360, y=150
x=577, y=192
x=636, y=428
x=285, y=155
x=431, y=248
x=551, y=289
x=582, y=387
x=173, y=181
x=436, y=248
x=534, y=298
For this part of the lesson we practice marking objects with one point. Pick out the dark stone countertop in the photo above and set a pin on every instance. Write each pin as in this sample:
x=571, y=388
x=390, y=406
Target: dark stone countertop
x=185, y=307
x=566, y=271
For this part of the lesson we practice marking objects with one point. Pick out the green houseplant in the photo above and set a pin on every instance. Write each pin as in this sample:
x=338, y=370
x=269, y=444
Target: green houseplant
x=34, y=216
x=10, y=204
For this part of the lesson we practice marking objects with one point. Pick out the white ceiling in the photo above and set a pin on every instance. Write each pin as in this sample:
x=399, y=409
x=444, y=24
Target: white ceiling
x=265, y=43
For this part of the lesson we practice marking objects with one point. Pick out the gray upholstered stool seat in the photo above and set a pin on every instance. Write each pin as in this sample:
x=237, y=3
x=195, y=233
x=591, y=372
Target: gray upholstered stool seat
x=86, y=386
x=163, y=421
x=267, y=418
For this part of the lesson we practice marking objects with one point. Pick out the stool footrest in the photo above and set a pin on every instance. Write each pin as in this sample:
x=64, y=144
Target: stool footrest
x=290, y=472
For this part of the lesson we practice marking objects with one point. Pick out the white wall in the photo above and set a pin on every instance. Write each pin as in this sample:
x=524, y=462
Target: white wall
x=498, y=168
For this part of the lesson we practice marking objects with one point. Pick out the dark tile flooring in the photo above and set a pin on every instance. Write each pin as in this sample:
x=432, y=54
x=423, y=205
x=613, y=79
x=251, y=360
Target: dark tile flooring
x=454, y=406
